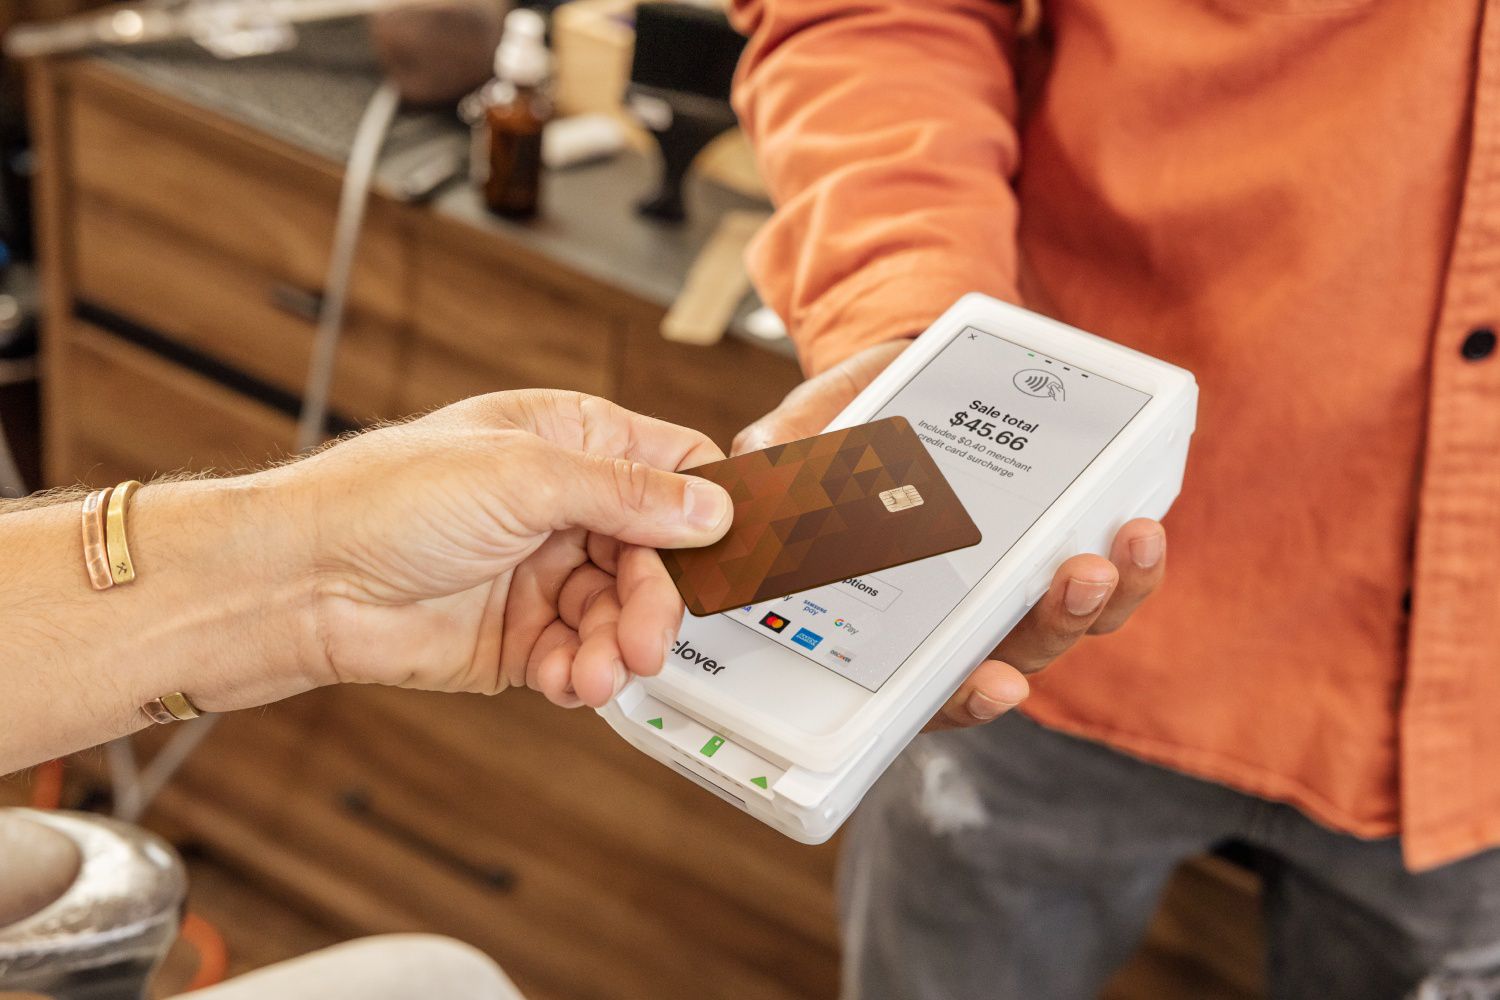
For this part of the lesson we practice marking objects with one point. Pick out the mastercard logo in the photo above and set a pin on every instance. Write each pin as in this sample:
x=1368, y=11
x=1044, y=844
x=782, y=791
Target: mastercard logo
x=774, y=622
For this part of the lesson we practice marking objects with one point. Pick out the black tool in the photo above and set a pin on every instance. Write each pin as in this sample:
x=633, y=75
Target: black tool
x=679, y=89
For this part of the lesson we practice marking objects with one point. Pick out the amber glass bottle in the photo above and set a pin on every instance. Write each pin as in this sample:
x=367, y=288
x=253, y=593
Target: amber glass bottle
x=519, y=109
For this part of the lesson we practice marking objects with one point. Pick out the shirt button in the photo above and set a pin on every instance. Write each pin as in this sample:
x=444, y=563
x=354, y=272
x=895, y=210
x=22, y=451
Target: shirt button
x=1479, y=344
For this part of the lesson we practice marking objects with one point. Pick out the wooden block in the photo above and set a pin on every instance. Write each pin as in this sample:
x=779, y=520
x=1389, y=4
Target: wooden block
x=716, y=284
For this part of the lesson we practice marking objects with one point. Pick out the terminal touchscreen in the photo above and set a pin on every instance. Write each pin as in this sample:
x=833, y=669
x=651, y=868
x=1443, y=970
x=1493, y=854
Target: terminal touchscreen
x=1052, y=439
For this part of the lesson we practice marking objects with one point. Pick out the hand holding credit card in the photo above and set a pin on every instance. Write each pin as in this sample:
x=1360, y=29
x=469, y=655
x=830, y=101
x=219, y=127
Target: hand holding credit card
x=812, y=512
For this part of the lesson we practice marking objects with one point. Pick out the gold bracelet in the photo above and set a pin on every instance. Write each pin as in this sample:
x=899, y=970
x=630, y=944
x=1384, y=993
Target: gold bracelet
x=177, y=703
x=170, y=708
x=95, y=555
x=121, y=569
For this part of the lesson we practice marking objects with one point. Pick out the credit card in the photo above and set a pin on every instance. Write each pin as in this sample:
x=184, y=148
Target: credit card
x=823, y=509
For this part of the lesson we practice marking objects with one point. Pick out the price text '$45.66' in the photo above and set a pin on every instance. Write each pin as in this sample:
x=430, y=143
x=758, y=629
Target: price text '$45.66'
x=986, y=429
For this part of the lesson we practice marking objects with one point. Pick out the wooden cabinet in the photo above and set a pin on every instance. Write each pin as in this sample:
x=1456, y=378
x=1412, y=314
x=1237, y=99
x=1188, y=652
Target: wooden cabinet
x=202, y=242
x=587, y=870
x=206, y=300
x=164, y=407
x=181, y=254
x=484, y=319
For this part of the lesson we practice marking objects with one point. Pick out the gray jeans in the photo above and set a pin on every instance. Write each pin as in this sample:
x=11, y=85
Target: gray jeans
x=1012, y=861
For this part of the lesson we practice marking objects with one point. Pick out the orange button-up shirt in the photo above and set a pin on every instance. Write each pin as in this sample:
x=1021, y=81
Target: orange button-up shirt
x=1298, y=200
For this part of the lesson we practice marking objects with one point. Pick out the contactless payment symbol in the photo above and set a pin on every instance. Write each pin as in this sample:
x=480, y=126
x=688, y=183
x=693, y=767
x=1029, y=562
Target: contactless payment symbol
x=774, y=622
x=1035, y=382
x=807, y=638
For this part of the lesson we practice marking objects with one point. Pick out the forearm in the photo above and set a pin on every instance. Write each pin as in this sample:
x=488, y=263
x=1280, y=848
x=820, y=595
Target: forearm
x=220, y=610
x=887, y=134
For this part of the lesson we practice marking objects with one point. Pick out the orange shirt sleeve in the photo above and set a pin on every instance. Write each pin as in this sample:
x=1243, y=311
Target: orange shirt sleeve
x=886, y=131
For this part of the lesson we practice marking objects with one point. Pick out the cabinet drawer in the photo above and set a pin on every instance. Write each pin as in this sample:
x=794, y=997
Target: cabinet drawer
x=624, y=862
x=252, y=201
x=717, y=389
x=222, y=306
x=484, y=322
x=133, y=415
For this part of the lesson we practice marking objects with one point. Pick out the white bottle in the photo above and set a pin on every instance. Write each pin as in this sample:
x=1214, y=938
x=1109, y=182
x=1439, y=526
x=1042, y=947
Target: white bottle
x=508, y=115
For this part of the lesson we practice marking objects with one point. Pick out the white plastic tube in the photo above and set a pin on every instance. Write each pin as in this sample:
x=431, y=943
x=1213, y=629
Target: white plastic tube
x=355, y=196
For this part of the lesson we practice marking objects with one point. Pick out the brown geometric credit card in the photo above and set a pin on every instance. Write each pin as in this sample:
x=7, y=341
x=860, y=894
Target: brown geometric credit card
x=820, y=510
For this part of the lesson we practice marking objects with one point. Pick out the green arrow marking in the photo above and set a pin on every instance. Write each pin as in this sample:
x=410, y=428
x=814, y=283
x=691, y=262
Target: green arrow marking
x=712, y=746
x=654, y=723
x=760, y=782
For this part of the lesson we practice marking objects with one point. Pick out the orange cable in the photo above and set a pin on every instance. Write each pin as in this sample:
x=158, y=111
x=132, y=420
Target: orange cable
x=47, y=785
x=213, y=956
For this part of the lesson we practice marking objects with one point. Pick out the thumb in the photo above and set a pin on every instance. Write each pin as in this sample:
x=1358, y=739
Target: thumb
x=634, y=502
x=781, y=425
x=809, y=407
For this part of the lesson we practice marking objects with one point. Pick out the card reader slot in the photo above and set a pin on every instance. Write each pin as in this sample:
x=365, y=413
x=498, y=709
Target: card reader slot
x=690, y=740
x=718, y=790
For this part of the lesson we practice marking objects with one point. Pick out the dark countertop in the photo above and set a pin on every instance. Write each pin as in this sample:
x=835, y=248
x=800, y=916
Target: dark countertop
x=312, y=97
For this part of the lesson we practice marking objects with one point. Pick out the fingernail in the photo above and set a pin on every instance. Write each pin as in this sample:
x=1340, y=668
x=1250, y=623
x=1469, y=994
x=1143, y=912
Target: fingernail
x=1013, y=690
x=1146, y=551
x=707, y=504
x=984, y=708
x=1084, y=597
x=667, y=639
x=622, y=677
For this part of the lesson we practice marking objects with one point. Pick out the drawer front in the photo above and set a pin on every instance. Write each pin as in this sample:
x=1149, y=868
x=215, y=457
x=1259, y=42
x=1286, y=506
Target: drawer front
x=717, y=389
x=256, y=205
x=483, y=322
x=133, y=415
x=592, y=888
x=219, y=305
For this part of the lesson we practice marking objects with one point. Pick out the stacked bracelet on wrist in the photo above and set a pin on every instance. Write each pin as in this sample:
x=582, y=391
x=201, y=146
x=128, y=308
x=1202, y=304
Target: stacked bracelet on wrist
x=121, y=569
x=106, y=549
x=170, y=708
x=106, y=556
x=95, y=554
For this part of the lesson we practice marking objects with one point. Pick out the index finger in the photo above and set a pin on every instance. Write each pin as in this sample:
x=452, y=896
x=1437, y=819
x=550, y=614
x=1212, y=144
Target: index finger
x=610, y=429
x=581, y=422
x=652, y=610
x=1079, y=591
x=809, y=407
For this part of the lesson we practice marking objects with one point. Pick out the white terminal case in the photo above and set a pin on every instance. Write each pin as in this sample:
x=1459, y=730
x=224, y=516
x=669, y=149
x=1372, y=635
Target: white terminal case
x=806, y=784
